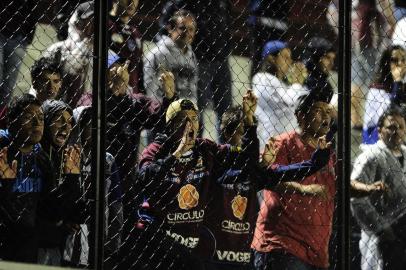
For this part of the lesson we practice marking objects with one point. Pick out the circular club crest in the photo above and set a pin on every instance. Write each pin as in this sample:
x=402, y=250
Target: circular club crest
x=239, y=205
x=188, y=197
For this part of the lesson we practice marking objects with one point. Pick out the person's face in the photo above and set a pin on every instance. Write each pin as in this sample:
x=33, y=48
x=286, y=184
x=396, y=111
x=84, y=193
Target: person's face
x=236, y=137
x=184, y=31
x=51, y=83
x=60, y=128
x=398, y=59
x=317, y=123
x=327, y=62
x=127, y=7
x=392, y=133
x=30, y=125
x=283, y=61
x=192, y=117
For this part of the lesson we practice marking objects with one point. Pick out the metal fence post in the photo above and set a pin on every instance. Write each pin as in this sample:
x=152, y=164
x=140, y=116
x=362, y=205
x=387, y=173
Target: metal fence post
x=98, y=124
x=344, y=135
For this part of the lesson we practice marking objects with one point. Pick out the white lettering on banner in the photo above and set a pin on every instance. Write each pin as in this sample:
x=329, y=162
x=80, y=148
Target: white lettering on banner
x=186, y=217
x=232, y=256
x=235, y=227
x=189, y=242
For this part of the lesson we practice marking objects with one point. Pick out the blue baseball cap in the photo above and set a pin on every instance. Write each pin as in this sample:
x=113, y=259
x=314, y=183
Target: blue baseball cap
x=272, y=47
x=112, y=58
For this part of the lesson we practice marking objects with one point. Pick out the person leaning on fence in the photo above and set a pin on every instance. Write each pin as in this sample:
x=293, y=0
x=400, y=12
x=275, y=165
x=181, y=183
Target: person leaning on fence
x=276, y=99
x=177, y=172
x=233, y=217
x=75, y=54
x=293, y=228
x=380, y=171
x=126, y=39
x=295, y=221
x=29, y=195
x=387, y=89
x=174, y=53
x=58, y=124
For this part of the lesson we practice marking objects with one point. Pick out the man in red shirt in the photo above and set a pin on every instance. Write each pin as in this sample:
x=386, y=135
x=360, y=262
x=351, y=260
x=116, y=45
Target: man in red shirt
x=295, y=221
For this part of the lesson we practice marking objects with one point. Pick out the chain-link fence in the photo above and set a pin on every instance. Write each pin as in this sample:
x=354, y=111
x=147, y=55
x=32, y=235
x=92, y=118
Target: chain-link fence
x=105, y=106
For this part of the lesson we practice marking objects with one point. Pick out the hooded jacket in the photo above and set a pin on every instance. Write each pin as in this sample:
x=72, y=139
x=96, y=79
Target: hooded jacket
x=72, y=205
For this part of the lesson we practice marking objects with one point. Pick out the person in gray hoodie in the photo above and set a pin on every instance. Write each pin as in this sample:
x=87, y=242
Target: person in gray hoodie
x=174, y=53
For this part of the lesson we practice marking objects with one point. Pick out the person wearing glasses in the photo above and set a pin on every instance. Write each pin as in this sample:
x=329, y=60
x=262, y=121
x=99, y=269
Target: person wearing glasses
x=387, y=89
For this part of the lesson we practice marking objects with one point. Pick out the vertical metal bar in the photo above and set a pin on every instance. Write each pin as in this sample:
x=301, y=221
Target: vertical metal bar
x=344, y=135
x=98, y=126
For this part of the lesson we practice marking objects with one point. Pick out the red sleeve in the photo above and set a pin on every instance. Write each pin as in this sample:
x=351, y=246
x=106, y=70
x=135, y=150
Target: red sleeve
x=282, y=152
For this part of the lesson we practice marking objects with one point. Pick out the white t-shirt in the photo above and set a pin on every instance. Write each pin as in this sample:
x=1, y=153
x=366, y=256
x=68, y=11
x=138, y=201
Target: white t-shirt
x=276, y=105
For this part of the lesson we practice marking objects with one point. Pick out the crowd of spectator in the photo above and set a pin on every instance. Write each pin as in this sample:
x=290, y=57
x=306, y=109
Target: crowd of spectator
x=251, y=201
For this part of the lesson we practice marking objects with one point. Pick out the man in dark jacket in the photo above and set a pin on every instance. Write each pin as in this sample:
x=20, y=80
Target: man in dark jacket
x=58, y=120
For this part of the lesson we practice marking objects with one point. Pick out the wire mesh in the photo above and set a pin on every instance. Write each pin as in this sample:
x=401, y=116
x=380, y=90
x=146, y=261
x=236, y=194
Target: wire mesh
x=259, y=193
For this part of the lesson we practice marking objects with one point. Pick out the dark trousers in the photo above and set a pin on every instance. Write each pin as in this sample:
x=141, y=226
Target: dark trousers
x=280, y=261
x=394, y=250
x=214, y=84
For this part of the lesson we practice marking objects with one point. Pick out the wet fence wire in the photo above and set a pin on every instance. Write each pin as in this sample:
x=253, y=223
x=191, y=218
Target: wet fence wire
x=104, y=107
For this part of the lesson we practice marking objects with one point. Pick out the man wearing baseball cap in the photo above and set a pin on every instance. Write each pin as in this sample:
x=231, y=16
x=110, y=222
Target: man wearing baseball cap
x=178, y=173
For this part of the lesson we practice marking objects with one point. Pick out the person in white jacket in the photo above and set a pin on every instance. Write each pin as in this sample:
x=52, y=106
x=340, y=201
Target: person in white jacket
x=75, y=54
x=276, y=98
x=382, y=214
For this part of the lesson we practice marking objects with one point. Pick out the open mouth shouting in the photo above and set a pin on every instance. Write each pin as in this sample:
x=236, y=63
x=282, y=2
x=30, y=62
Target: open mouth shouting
x=61, y=137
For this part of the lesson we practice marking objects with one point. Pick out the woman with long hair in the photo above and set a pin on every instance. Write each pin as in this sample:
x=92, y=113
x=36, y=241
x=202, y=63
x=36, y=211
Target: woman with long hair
x=385, y=90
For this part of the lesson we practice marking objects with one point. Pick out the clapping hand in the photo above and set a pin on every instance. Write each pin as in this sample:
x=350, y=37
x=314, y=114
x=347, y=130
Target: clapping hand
x=249, y=106
x=72, y=160
x=322, y=143
x=167, y=80
x=7, y=171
